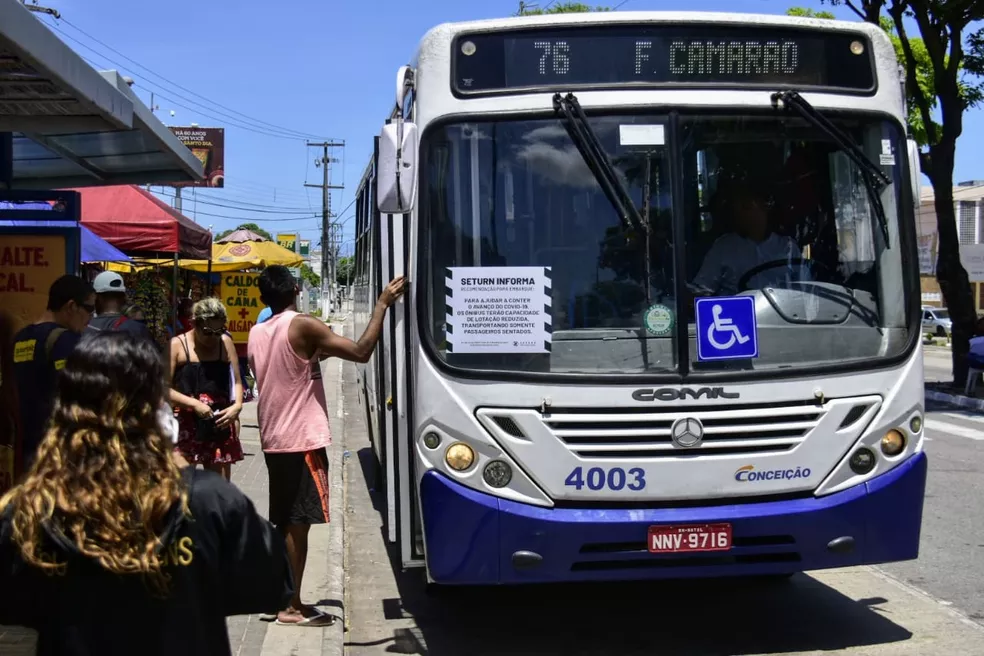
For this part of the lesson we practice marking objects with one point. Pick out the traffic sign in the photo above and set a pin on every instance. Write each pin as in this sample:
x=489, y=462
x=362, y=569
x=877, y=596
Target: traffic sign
x=726, y=328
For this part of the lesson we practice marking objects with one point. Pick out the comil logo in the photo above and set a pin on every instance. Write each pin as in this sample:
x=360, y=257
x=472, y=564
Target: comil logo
x=748, y=474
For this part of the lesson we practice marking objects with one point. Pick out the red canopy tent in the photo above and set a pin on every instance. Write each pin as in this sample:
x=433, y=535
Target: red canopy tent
x=135, y=221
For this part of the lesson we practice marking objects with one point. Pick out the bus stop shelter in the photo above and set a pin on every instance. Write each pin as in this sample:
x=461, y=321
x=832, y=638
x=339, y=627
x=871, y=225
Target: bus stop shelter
x=64, y=124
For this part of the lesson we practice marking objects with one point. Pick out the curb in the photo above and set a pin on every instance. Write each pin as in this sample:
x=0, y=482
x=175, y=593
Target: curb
x=333, y=640
x=954, y=399
x=325, y=577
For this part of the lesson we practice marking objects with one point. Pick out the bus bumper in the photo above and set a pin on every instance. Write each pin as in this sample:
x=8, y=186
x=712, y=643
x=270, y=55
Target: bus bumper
x=474, y=538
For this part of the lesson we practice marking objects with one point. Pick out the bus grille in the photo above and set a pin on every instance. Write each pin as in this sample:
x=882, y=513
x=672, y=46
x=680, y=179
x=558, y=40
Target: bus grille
x=645, y=432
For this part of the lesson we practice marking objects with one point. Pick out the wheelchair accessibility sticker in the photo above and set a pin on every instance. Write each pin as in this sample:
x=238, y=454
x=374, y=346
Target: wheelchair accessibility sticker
x=726, y=328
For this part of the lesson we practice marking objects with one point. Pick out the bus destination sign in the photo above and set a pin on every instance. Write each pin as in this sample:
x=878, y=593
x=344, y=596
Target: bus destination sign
x=716, y=56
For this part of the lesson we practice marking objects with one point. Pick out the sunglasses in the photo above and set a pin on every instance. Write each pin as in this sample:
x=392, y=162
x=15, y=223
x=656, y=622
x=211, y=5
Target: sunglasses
x=212, y=331
x=88, y=307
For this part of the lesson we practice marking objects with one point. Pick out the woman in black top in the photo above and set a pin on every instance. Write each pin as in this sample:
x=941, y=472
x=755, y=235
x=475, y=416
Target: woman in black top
x=107, y=547
x=207, y=391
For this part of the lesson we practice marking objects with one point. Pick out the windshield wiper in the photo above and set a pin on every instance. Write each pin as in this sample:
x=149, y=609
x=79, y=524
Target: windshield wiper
x=874, y=180
x=580, y=132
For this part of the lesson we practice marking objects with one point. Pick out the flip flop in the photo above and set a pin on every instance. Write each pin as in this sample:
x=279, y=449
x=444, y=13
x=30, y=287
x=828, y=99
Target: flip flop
x=267, y=617
x=319, y=620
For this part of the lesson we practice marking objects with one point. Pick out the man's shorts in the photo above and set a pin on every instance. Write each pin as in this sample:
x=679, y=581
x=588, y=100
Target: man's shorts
x=298, y=487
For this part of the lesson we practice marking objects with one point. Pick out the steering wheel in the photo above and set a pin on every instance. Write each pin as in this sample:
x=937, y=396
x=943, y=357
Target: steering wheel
x=771, y=264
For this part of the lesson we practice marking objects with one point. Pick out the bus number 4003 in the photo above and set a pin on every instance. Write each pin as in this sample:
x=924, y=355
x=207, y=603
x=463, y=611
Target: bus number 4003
x=615, y=478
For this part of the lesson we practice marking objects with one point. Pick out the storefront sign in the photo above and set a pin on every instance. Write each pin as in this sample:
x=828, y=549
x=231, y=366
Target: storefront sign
x=972, y=258
x=288, y=241
x=927, y=254
x=498, y=310
x=241, y=296
x=305, y=248
x=29, y=263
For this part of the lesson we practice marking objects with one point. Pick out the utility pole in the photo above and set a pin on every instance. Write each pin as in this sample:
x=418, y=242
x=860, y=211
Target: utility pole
x=327, y=252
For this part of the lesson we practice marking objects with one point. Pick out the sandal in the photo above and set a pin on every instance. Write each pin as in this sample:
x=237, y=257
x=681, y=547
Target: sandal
x=318, y=620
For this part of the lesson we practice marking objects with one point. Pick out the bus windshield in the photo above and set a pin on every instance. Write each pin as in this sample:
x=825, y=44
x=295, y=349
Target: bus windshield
x=756, y=204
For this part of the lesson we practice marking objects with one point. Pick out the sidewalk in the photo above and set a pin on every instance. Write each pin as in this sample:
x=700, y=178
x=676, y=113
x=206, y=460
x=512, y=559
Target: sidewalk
x=323, y=584
x=323, y=577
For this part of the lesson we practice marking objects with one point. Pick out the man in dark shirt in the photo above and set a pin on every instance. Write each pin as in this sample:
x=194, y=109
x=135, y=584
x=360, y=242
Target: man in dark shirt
x=110, y=301
x=40, y=351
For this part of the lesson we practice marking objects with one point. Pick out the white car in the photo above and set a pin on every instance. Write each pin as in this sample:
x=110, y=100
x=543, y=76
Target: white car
x=936, y=321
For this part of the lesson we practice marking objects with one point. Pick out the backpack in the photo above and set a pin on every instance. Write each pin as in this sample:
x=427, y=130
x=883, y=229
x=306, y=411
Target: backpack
x=120, y=320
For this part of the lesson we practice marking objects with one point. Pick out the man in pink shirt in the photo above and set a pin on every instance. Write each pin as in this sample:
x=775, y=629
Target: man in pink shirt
x=283, y=353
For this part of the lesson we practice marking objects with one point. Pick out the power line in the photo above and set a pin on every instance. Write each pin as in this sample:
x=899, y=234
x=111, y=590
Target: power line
x=244, y=209
x=245, y=117
x=280, y=133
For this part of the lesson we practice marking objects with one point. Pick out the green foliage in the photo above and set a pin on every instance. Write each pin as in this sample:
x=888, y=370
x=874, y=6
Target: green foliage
x=802, y=12
x=252, y=227
x=526, y=9
x=344, y=269
x=309, y=276
x=924, y=95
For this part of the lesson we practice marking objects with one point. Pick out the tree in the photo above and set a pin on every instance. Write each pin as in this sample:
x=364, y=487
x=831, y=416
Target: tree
x=308, y=275
x=943, y=72
x=252, y=227
x=343, y=270
x=526, y=9
x=809, y=13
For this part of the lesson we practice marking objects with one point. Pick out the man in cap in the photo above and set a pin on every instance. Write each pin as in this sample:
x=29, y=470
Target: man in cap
x=110, y=301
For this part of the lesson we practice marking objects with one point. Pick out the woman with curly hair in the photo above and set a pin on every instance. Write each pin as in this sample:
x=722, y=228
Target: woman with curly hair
x=107, y=547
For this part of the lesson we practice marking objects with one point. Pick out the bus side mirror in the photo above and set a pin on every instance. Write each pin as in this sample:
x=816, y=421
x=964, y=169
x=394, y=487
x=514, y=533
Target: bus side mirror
x=396, y=175
x=915, y=170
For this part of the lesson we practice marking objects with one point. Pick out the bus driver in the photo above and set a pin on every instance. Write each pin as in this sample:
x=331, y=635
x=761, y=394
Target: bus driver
x=750, y=245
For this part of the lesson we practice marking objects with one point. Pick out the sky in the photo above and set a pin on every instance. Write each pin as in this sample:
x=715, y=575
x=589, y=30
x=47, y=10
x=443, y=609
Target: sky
x=276, y=74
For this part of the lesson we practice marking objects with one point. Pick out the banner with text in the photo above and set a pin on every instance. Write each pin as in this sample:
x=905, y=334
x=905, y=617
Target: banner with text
x=498, y=310
x=241, y=296
x=29, y=263
x=208, y=145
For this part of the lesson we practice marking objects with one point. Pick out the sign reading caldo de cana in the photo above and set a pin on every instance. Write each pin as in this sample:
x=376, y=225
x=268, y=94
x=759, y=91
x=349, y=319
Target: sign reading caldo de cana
x=241, y=296
x=498, y=310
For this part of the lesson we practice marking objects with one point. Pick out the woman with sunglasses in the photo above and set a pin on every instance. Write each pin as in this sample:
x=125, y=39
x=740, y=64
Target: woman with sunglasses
x=206, y=390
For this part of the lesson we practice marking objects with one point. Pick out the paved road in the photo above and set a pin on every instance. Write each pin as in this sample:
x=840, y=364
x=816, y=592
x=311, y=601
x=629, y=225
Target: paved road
x=937, y=365
x=951, y=560
x=867, y=611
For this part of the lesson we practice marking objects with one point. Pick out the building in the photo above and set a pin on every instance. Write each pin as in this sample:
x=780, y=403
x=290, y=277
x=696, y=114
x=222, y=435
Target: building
x=968, y=200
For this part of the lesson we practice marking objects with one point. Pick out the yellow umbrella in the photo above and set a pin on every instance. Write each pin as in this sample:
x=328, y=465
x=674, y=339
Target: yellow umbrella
x=233, y=256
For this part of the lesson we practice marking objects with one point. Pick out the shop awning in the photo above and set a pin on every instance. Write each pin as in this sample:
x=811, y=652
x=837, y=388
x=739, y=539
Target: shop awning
x=134, y=220
x=71, y=125
x=94, y=247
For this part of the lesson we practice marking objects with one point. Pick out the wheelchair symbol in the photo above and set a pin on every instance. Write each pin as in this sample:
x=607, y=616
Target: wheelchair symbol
x=724, y=325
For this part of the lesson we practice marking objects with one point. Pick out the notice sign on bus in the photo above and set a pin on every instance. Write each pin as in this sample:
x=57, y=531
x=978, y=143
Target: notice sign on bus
x=241, y=296
x=498, y=310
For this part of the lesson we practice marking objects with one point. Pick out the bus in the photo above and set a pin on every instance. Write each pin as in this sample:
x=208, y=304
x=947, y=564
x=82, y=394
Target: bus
x=663, y=311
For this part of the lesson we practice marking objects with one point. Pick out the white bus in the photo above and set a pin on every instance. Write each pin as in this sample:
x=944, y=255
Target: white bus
x=663, y=316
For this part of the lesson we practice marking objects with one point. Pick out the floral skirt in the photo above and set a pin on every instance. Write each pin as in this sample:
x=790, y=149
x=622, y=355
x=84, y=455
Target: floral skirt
x=225, y=452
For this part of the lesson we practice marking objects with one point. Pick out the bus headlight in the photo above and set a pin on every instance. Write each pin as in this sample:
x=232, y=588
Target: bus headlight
x=459, y=456
x=892, y=443
x=862, y=461
x=497, y=473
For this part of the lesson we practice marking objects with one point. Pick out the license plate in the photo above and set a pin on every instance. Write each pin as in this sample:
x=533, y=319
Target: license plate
x=689, y=537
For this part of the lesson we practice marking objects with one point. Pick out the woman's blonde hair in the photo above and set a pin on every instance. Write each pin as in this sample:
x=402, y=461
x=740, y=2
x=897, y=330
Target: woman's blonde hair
x=208, y=308
x=104, y=476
